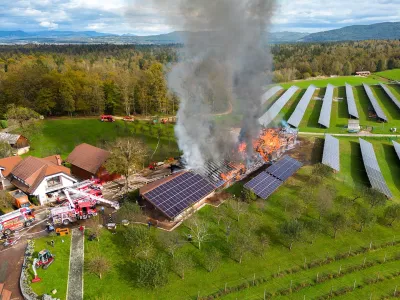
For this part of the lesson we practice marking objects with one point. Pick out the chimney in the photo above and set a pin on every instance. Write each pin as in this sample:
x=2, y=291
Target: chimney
x=58, y=158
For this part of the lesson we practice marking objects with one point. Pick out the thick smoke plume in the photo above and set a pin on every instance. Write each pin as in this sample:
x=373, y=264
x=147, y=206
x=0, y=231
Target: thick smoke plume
x=224, y=66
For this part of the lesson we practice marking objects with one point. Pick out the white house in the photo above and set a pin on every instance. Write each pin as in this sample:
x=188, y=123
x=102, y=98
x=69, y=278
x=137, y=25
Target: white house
x=41, y=176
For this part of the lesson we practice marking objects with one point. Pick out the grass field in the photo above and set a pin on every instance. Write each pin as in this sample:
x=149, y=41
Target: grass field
x=390, y=74
x=56, y=276
x=337, y=81
x=119, y=284
x=61, y=136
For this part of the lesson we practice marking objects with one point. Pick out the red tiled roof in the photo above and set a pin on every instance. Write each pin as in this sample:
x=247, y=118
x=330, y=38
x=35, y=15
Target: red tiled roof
x=8, y=164
x=33, y=170
x=88, y=157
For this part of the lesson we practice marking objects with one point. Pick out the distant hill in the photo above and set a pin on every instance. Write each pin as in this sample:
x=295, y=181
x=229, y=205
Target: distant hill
x=379, y=31
x=286, y=37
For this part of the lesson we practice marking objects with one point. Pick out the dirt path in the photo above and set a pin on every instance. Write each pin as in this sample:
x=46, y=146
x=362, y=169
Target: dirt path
x=76, y=258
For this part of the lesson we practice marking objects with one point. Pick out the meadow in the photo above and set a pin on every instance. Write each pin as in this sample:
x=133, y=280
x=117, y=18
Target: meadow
x=390, y=74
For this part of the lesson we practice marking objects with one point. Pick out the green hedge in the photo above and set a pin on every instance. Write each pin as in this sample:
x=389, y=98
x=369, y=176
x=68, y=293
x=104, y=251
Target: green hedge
x=3, y=124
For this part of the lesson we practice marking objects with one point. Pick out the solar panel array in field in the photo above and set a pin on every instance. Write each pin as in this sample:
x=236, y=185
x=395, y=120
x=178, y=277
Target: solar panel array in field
x=275, y=109
x=391, y=95
x=330, y=156
x=351, y=103
x=325, y=116
x=301, y=108
x=263, y=185
x=284, y=168
x=270, y=93
x=372, y=168
x=378, y=110
x=397, y=148
x=178, y=194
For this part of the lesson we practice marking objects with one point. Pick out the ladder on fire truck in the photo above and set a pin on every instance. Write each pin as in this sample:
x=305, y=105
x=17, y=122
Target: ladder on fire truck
x=67, y=192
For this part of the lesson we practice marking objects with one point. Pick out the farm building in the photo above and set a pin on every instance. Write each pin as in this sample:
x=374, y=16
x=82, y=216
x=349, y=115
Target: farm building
x=363, y=73
x=18, y=142
x=6, y=166
x=41, y=176
x=88, y=162
x=175, y=194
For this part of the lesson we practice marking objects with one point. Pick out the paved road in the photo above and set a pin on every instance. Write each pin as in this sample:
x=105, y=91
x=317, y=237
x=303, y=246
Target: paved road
x=76, y=258
x=351, y=135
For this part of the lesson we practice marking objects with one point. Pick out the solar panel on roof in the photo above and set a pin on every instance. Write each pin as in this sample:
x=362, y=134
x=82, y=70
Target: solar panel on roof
x=397, y=148
x=372, y=168
x=178, y=194
x=351, y=103
x=284, y=168
x=270, y=93
x=325, y=116
x=301, y=108
x=330, y=156
x=275, y=109
x=378, y=110
x=391, y=95
x=263, y=185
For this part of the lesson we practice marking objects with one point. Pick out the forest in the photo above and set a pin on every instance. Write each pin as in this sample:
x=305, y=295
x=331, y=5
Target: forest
x=57, y=80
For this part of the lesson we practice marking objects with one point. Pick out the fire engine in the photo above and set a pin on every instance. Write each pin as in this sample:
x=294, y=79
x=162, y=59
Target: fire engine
x=107, y=118
x=15, y=220
x=81, y=207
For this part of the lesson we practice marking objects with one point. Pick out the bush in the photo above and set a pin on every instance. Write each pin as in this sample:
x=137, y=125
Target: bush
x=34, y=200
x=3, y=124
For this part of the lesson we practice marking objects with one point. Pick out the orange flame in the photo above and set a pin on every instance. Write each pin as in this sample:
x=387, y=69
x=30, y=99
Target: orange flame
x=242, y=147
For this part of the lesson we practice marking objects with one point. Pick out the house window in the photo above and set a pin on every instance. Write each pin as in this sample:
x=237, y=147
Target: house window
x=53, y=182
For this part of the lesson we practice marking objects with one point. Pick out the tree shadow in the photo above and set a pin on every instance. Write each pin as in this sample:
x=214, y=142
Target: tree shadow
x=317, y=150
x=391, y=156
x=342, y=105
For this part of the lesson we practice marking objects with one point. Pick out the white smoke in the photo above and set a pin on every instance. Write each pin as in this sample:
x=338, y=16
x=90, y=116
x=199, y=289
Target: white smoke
x=225, y=63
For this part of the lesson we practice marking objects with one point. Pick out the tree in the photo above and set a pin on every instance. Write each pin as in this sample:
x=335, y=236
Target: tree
x=239, y=245
x=292, y=231
x=249, y=196
x=324, y=200
x=95, y=226
x=295, y=208
x=364, y=217
x=151, y=273
x=392, y=213
x=171, y=242
x=140, y=241
x=181, y=263
x=5, y=149
x=5, y=200
x=130, y=211
x=99, y=265
x=199, y=230
x=212, y=259
x=264, y=243
x=314, y=228
x=374, y=198
x=127, y=157
x=338, y=221
x=238, y=207
x=21, y=115
x=322, y=171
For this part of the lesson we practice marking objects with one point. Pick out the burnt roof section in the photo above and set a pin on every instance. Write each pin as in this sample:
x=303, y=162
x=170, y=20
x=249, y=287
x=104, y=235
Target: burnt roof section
x=88, y=157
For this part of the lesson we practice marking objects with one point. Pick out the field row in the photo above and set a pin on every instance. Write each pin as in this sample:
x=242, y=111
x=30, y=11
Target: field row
x=339, y=114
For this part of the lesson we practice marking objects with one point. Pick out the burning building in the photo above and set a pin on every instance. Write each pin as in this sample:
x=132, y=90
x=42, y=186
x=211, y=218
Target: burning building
x=269, y=147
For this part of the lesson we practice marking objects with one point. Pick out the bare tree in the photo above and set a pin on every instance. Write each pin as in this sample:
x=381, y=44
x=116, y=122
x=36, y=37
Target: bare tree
x=181, y=263
x=212, y=259
x=171, y=242
x=99, y=265
x=140, y=241
x=130, y=211
x=364, y=217
x=374, y=198
x=199, y=230
x=338, y=221
x=95, y=226
x=292, y=230
x=324, y=200
x=240, y=244
x=127, y=157
x=238, y=207
x=392, y=214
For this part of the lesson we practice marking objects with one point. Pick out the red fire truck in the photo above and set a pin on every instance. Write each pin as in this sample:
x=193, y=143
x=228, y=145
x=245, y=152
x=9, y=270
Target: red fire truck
x=107, y=118
x=15, y=220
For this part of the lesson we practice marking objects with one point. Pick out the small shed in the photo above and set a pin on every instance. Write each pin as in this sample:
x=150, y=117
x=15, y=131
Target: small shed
x=354, y=126
x=88, y=162
x=19, y=143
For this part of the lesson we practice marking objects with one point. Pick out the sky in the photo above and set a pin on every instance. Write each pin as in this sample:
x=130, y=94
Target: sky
x=142, y=17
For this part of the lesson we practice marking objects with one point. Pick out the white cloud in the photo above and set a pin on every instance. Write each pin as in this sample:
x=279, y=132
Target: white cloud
x=49, y=25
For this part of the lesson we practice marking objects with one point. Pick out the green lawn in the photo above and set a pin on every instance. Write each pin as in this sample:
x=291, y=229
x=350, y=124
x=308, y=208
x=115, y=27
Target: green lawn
x=337, y=81
x=390, y=74
x=62, y=135
x=56, y=276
